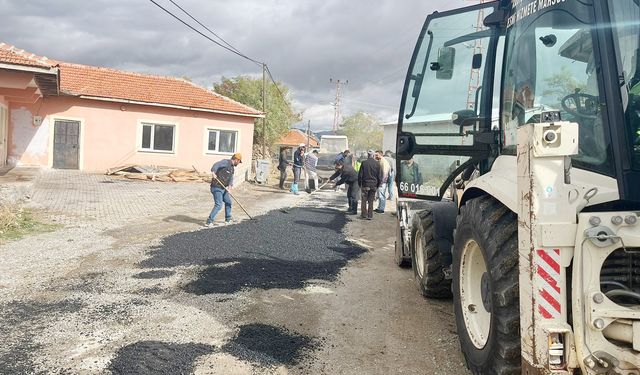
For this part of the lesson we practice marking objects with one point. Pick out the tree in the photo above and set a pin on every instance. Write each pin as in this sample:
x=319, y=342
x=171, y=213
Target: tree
x=561, y=84
x=363, y=130
x=248, y=91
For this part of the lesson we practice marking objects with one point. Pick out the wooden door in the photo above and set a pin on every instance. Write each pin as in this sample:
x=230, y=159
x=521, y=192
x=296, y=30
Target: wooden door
x=66, y=145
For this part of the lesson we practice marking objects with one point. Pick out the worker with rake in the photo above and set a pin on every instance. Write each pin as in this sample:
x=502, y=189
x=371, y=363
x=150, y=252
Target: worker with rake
x=221, y=181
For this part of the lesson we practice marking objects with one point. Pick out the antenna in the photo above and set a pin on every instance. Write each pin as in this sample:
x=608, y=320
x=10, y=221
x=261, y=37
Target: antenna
x=337, y=103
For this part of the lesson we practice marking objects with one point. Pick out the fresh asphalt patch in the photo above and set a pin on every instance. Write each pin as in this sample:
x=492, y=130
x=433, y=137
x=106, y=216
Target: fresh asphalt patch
x=278, y=250
x=20, y=324
x=269, y=345
x=155, y=357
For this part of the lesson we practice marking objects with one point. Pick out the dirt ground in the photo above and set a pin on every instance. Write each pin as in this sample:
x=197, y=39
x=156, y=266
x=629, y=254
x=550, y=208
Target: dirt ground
x=133, y=284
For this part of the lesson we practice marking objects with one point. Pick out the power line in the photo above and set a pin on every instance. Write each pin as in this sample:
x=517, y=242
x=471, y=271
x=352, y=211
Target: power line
x=275, y=84
x=205, y=27
x=199, y=32
x=228, y=46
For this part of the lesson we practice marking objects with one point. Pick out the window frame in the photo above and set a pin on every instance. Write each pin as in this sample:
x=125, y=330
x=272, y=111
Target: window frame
x=153, y=124
x=208, y=130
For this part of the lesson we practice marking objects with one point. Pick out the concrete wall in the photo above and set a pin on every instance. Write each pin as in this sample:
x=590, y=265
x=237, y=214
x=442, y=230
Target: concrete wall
x=389, y=137
x=4, y=130
x=110, y=134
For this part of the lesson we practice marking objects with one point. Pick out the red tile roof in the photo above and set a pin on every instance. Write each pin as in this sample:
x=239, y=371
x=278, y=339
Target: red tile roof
x=92, y=81
x=14, y=56
x=110, y=84
x=295, y=137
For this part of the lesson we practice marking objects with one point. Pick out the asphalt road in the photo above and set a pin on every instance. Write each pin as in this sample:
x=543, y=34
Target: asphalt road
x=302, y=289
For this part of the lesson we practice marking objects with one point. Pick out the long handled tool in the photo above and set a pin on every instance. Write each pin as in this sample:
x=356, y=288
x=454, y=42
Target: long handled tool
x=234, y=198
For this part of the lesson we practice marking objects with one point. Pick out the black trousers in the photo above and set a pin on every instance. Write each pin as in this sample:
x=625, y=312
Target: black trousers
x=352, y=196
x=283, y=176
x=368, y=195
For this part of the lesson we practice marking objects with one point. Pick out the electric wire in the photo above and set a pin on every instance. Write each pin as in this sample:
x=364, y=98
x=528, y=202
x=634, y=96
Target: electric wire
x=275, y=84
x=205, y=27
x=229, y=47
x=207, y=37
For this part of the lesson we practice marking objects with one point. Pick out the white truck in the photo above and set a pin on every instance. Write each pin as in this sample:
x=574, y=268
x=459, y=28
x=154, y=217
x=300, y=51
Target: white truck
x=330, y=147
x=530, y=224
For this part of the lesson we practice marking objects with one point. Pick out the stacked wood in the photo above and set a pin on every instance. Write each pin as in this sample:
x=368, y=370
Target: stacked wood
x=159, y=174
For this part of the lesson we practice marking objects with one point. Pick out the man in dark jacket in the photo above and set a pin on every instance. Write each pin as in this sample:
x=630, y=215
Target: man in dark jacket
x=221, y=181
x=282, y=166
x=369, y=178
x=349, y=177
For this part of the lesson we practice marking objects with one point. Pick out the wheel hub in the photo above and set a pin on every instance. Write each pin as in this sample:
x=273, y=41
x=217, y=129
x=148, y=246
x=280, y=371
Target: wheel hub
x=484, y=289
x=419, y=256
x=475, y=294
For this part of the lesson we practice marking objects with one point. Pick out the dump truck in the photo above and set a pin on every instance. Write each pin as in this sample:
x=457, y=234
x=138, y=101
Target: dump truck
x=523, y=206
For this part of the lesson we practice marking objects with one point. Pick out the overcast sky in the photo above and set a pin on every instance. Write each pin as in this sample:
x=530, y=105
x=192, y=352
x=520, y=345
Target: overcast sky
x=304, y=43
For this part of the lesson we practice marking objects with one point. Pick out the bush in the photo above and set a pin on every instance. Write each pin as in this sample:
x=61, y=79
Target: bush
x=11, y=217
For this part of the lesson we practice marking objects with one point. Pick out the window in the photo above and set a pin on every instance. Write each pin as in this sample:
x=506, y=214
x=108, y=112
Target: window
x=551, y=65
x=625, y=16
x=157, y=137
x=222, y=141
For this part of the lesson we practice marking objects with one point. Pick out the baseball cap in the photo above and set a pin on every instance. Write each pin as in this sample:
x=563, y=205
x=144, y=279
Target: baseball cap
x=237, y=156
x=302, y=145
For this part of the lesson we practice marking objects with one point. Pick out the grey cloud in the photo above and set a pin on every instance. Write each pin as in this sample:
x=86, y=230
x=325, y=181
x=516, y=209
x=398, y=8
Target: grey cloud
x=304, y=42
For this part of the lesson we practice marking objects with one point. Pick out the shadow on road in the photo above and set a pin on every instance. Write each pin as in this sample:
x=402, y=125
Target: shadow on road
x=183, y=219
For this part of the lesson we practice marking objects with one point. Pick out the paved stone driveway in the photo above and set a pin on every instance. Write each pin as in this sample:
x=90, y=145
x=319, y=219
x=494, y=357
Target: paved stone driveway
x=71, y=197
x=109, y=199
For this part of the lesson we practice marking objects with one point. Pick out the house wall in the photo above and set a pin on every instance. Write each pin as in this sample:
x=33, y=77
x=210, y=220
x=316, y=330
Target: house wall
x=4, y=130
x=389, y=137
x=110, y=134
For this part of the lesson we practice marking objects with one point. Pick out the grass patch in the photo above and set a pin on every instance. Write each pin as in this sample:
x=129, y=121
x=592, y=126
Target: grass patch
x=16, y=222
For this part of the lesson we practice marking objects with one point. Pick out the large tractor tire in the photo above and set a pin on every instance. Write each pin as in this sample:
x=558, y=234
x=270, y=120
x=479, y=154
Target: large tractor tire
x=485, y=287
x=429, y=255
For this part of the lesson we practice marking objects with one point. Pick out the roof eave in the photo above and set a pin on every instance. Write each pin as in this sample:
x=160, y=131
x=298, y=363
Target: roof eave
x=128, y=101
x=27, y=68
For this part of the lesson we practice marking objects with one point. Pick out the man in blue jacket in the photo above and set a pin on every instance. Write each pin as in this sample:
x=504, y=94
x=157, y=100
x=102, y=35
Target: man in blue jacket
x=221, y=181
x=298, y=164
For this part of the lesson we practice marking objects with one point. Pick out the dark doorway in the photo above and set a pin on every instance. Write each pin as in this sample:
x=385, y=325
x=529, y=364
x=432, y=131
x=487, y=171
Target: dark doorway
x=66, y=148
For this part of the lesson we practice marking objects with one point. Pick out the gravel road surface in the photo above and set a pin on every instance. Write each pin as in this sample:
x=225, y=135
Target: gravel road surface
x=302, y=289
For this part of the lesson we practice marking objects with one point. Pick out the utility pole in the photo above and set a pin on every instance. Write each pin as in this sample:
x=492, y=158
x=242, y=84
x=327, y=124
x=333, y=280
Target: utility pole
x=336, y=105
x=308, y=131
x=264, y=110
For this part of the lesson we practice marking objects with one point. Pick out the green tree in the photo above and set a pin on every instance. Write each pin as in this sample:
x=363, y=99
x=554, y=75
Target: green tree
x=363, y=130
x=248, y=91
x=560, y=85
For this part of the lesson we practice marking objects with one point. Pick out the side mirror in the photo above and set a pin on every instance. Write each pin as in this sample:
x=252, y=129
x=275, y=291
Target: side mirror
x=465, y=117
x=476, y=63
x=446, y=61
x=417, y=85
x=404, y=147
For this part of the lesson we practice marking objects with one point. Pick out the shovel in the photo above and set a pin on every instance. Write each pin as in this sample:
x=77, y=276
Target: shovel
x=234, y=198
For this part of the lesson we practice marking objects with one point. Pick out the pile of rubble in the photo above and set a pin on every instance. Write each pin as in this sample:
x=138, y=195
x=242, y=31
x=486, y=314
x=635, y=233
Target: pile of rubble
x=161, y=174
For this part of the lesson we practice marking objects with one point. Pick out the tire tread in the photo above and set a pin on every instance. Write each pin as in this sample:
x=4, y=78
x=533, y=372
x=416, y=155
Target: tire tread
x=497, y=228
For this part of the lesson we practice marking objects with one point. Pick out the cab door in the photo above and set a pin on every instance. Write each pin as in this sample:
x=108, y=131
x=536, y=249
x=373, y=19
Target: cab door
x=445, y=124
